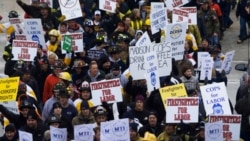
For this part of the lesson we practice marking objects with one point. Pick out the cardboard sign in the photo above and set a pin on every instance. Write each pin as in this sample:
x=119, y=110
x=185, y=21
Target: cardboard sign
x=34, y=31
x=17, y=23
x=231, y=125
x=24, y=50
x=25, y=136
x=71, y=9
x=95, y=54
x=179, y=15
x=114, y=130
x=83, y=132
x=58, y=134
x=137, y=62
x=77, y=42
x=156, y=6
x=206, y=68
x=192, y=14
x=215, y=99
x=175, y=3
x=227, y=62
x=176, y=33
x=152, y=76
x=200, y=56
x=186, y=109
x=158, y=20
x=107, y=5
x=107, y=90
x=11, y=106
x=144, y=40
x=213, y=131
x=8, y=89
x=177, y=90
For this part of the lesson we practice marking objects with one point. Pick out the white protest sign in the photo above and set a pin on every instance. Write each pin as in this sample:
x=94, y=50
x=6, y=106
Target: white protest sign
x=17, y=23
x=227, y=62
x=34, y=31
x=71, y=9
x=137, y=62
x=179, y=15
x=192, y=15
x=114, y=130
x=176, y=33
x=77, y=42
x=106, y=90
x=184, y=108
x=158, y=20
x=175, y=3
x=25, y=136
x=152, y=76
x=95, y=54
x=58, y=134
x=83, y=132
x=11, y=106
x=213, y=131
x=206, y=68
x=231, y=125
x=200, y=56
x=156, y=6
x=144, y=40
x=107, y=5
x=215, y=99
x=24, y=50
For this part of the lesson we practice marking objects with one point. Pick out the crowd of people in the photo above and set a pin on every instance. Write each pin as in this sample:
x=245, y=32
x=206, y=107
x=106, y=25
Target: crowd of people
x=54, y=89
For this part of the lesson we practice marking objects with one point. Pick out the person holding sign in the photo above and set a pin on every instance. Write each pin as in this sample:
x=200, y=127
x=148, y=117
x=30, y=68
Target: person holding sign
x=100, y=114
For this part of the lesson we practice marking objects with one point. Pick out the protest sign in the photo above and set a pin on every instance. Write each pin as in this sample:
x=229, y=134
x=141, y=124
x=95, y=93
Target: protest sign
x=231, y=125
x=192, y=15
x=177, y=90
x=58, y=134
x=83, y=132
x=67, y=43
x=227, y=62
x=25, y=136
x=8, y=89
x=107, y=5
x=175, y=3
x=215, y=99
x=11, y=106
x=213, y=131
x=106, y=91
x=200, y=56
x=71, y=9
x=179, y=15
x=137, y=62
x=77, y=42
x=34, y=31
x=176, y=33
x=158, y=20
x=115, y=130
x=24, y=50
x=152, y=76
x=144, y=40
x=17, y=23
x=206, y=68
x=185, y=108
x=156, y=6
x=95, y=54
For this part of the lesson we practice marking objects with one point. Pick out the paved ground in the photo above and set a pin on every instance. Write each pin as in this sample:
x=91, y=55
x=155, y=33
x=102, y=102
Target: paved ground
x=228, y=44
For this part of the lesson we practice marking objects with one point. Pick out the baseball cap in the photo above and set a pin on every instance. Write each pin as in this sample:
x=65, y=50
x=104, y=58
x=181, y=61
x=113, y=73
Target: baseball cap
x=97, y=12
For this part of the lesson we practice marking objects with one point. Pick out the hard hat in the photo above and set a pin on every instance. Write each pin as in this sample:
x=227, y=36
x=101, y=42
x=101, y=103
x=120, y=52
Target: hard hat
x=25, y=104
x=19, y=65
x=44, y=5
x=79, y=63
x=54, y=119
x=58, y=86
x=84, y=86
x=65, y=76
x=88, y=22
x=54, y=32
x=100, y=111
x=13, y=14
x=57, y=64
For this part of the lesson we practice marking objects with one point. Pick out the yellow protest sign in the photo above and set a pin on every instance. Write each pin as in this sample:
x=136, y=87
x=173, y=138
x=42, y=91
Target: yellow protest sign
x=177, y=90
x=8, y=88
